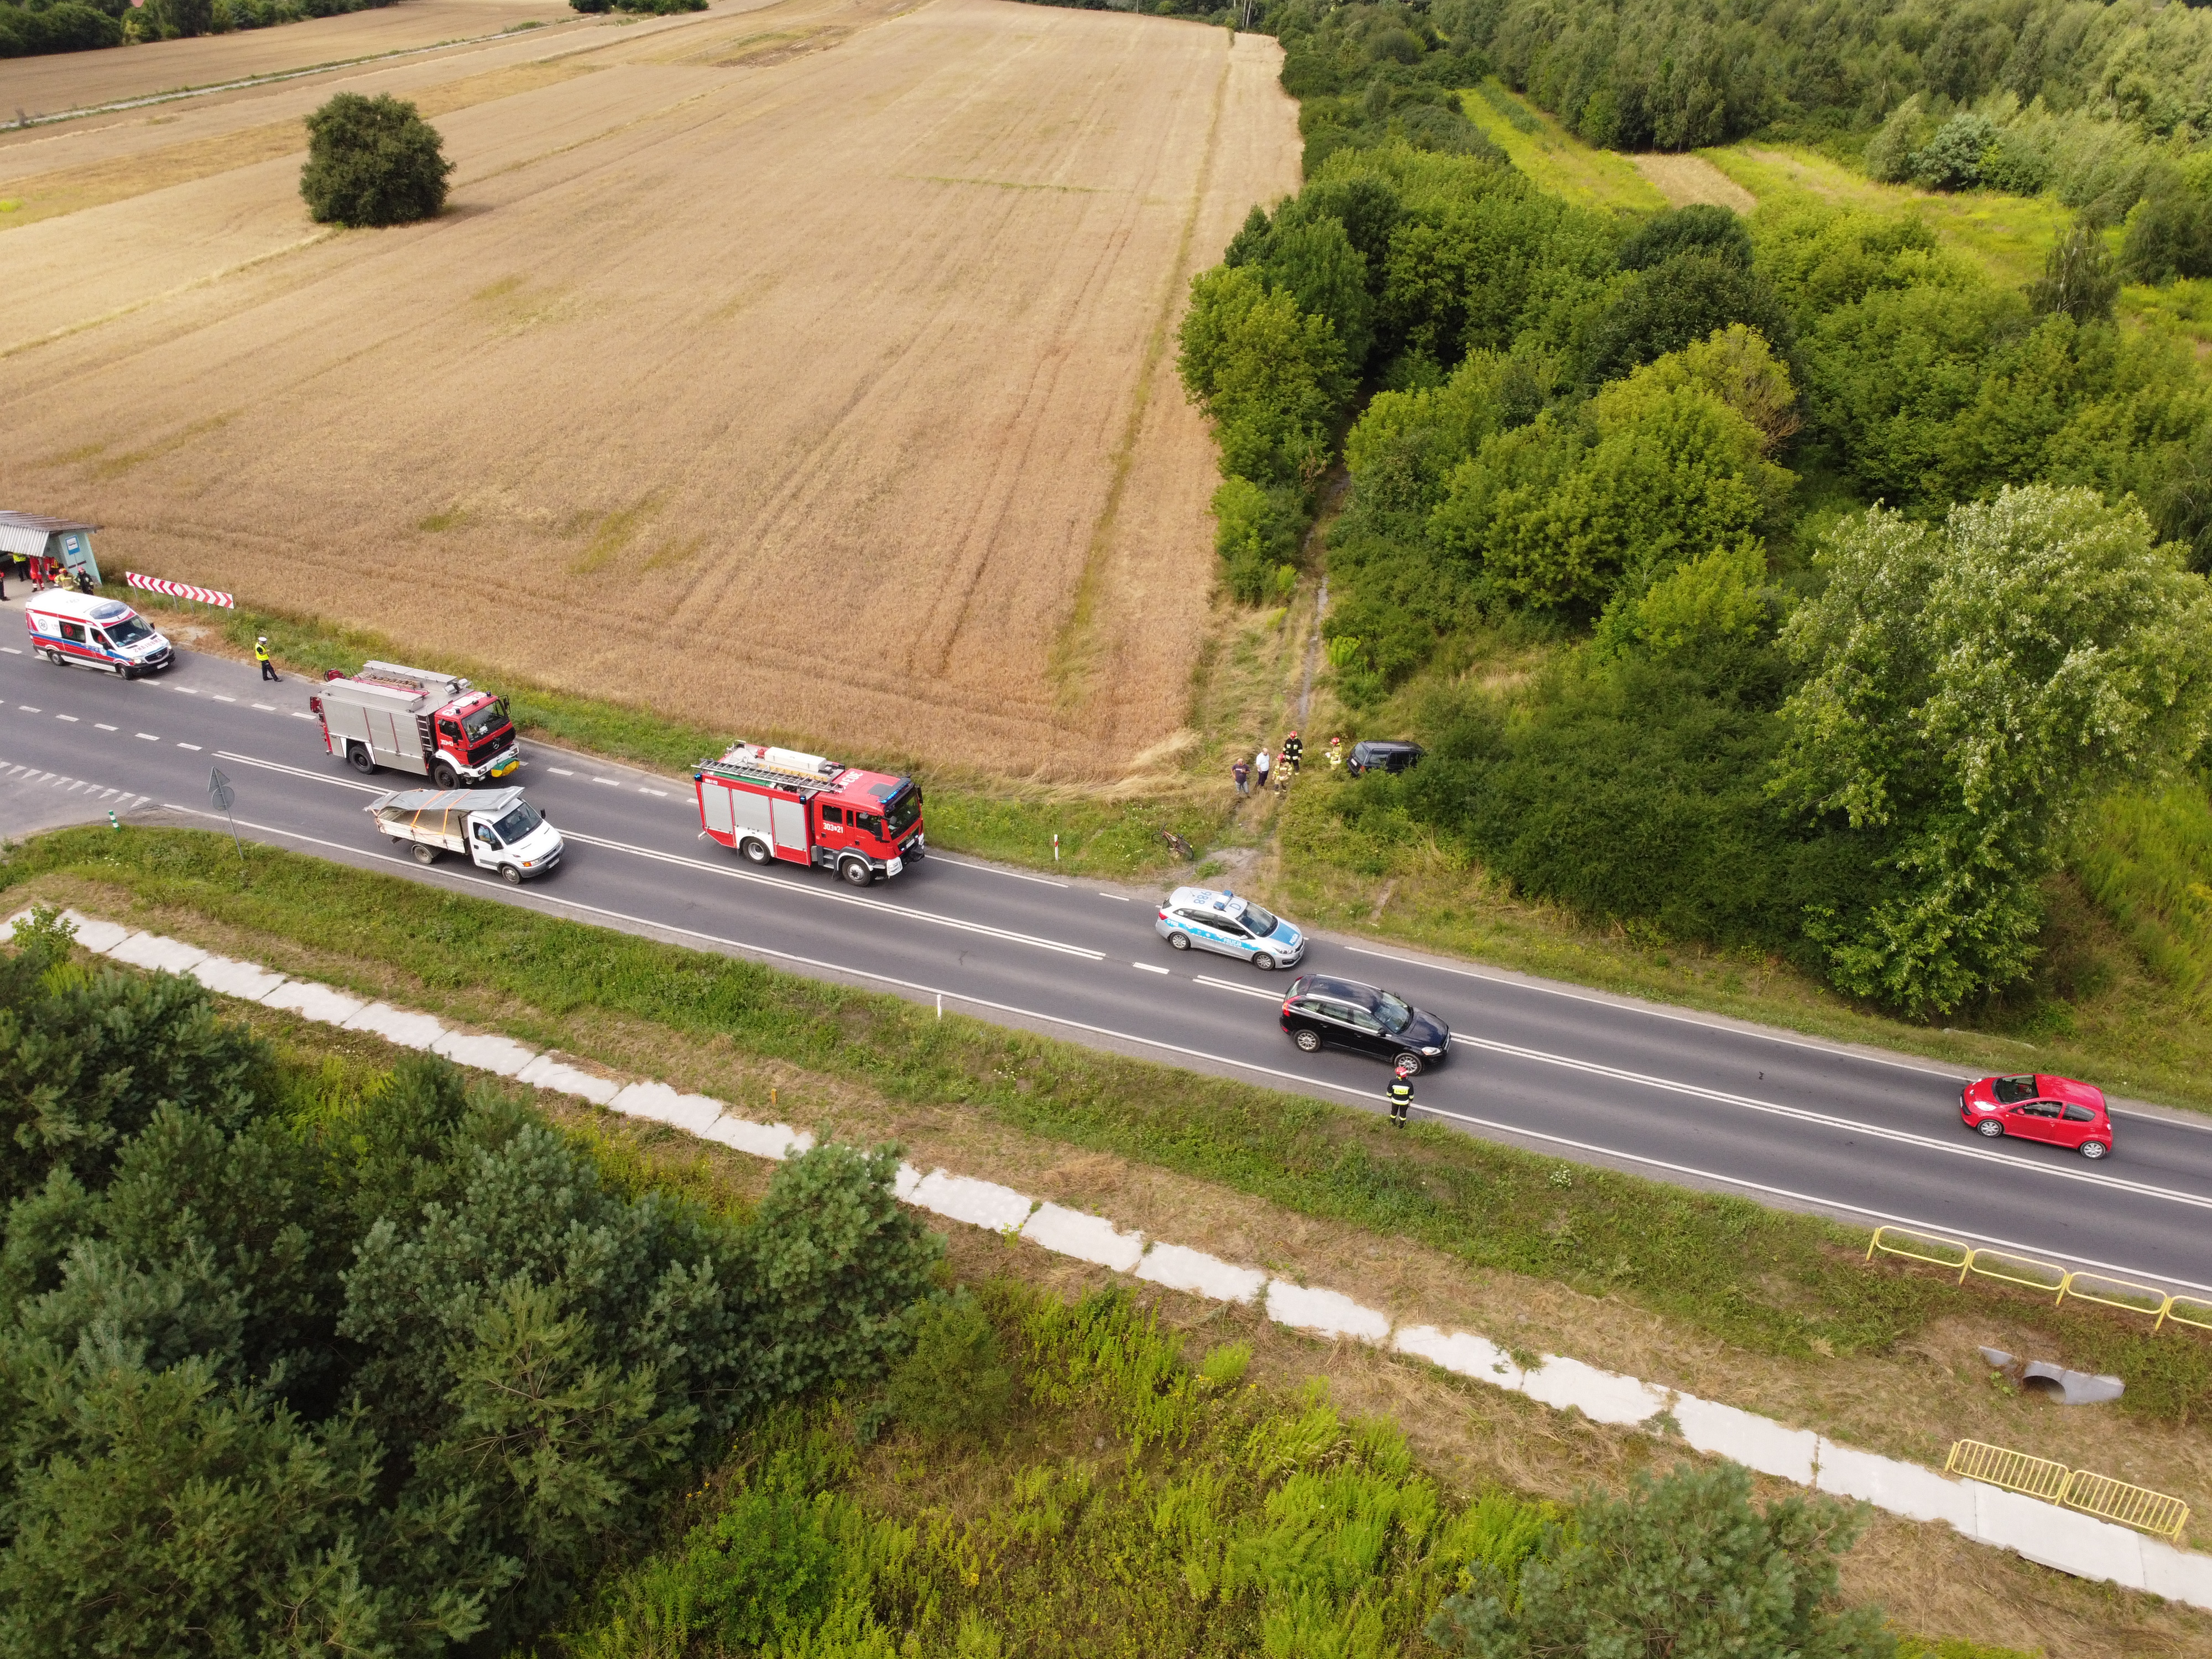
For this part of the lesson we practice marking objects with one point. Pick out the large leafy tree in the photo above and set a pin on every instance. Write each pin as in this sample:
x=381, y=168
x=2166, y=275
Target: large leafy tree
x=1970, y=688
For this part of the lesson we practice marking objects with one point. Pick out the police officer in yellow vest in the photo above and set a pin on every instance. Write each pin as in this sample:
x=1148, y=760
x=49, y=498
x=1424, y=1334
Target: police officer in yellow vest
x=261, y=656
x=1401, y=1096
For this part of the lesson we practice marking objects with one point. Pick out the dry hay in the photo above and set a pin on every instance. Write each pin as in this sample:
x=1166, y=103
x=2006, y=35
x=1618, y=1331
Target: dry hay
x=807, y=370
x=1683, y=179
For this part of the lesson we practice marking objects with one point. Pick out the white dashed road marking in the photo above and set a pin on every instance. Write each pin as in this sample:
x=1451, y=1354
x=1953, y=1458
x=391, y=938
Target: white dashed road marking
x=103, y=725
x=192, y=746
x=71, y=719
x=150, y=737
x=1149, y=967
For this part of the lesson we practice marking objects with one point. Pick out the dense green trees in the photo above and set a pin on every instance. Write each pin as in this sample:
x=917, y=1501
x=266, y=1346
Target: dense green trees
x=1970, y=689
x=29, y=26
x=287, y=1363
x=1661, y=75
x=373, y=161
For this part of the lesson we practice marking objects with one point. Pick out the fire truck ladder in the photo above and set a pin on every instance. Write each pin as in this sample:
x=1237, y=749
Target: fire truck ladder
x=805, y=784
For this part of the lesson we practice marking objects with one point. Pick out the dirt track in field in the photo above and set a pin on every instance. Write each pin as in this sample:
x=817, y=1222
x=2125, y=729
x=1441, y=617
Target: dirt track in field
x=806, y=369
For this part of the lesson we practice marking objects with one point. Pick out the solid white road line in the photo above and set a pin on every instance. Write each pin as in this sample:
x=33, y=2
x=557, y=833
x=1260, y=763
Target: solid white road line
x=300, y=772
x=833, y=895
x=2140, y=1273
x=937, y=857
x=1120, y=898
x=1902, y=1137
x=1629, y=1005
x=1295, y=1080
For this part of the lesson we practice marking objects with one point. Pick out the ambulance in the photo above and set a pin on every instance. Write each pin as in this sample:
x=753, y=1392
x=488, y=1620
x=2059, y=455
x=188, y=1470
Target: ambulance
x=95, y=633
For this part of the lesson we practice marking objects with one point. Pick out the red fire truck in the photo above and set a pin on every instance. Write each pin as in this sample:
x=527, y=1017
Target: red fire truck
x=416, y=719
x=780, y=804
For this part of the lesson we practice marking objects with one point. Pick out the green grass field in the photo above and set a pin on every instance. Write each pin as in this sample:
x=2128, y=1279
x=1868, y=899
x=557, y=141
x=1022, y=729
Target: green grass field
x=1554, y=158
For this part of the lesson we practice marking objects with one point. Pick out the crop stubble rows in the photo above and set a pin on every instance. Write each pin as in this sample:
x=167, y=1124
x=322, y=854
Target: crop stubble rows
x=776, y=369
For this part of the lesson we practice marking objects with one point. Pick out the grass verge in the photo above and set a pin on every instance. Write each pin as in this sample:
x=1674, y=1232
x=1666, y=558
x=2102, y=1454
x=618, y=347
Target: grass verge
x=1111, y=838
x=1766, y=1281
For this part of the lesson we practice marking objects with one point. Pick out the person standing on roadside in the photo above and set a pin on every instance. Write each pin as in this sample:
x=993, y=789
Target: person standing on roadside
x=1294, y=753
x=1401, y=1096
x=1242, y=772
x=261, y=656
x=1261, y=762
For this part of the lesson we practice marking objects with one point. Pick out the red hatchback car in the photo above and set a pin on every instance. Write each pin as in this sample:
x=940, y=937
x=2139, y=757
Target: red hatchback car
x=2036, y=1107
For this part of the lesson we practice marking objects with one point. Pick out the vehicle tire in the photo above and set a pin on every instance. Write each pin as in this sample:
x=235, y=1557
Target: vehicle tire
x=1309, y=1042
x=54, y=657
x=1408, y=1063
x=756, y=852
x=1179, y=941
x=127, y=670
x=358, y=757
x=422, y=853
x=510, y=875
x=1264, y=962
x=2094, y=1149
x=857, y=871
x=1989, y=1129
x=444, y=775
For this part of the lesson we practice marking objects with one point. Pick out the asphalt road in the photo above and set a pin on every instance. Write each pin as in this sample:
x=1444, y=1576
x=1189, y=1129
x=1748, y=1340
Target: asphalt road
x=1669, y=1093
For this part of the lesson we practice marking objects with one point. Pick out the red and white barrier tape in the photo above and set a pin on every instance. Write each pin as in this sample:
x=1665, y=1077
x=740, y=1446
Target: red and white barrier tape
x=180, y=590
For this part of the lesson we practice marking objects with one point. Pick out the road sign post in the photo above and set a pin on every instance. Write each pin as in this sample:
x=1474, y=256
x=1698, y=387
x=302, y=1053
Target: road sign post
x=223, y=796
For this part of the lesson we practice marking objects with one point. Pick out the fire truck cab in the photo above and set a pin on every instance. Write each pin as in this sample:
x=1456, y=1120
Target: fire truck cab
x=778, y=804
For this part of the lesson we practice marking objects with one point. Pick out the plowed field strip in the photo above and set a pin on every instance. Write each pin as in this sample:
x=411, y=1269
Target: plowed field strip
x=71, y=189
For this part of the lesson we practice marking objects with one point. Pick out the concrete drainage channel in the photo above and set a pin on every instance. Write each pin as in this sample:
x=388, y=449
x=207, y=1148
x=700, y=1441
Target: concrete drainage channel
x=2044, y=1533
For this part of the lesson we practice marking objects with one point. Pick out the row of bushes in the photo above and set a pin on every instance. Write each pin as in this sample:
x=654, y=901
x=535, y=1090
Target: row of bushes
x=1236, y=1522
x=296, y=1358
x=29, y=27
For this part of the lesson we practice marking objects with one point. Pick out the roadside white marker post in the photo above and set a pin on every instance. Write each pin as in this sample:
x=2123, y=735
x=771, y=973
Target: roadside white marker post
x=1055, y=846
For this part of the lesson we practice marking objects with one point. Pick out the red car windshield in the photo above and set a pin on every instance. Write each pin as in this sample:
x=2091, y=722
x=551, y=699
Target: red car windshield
x=2009, y=1091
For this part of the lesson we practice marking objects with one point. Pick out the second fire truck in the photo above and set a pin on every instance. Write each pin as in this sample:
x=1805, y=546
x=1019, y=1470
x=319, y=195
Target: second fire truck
x=778, y=804
x=416, y=719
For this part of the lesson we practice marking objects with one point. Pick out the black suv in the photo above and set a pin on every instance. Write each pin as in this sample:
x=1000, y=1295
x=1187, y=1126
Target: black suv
x=1320, y=1010
x=1383, y=755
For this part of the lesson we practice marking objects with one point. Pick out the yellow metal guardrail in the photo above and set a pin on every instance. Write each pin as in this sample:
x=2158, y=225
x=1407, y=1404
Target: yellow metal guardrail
x=2099, y=1495
x=2008, y=1268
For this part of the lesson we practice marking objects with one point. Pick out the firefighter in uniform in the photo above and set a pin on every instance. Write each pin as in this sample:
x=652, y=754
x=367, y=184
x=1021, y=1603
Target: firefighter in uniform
x=261, y=656
x=1294, y=750
x=1401, y=1096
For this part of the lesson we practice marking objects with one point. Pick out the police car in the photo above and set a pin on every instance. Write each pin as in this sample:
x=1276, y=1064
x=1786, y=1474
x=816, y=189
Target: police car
x=1197, y=918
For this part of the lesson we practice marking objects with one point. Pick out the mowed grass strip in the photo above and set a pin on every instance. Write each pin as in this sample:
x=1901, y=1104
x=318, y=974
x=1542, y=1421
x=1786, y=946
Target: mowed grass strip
x=94, y=184
x=1767, y=1281
x=1553, y=158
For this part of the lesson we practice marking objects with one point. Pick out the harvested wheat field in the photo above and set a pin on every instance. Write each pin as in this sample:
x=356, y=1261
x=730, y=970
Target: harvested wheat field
x=46, y=86
x=806, y=369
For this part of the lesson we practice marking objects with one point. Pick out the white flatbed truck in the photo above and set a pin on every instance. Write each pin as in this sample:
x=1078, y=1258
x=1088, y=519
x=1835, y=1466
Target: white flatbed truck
x=496, y=829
